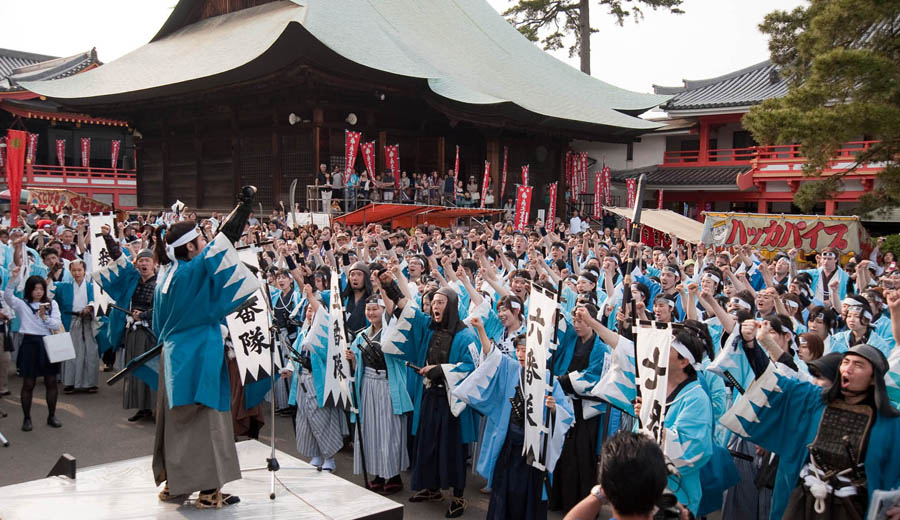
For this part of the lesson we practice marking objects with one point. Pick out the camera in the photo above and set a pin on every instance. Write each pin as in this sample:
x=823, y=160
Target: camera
x=667, y=506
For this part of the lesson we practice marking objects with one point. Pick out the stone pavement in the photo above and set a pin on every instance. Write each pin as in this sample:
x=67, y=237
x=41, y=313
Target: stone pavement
x=95, y=431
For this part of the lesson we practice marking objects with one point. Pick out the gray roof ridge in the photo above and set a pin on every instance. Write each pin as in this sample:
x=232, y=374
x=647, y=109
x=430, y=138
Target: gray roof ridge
x=694, y=84
x=25, y=55
x=53, y=62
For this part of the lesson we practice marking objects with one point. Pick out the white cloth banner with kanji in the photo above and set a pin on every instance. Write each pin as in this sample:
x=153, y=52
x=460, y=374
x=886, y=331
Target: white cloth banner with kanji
x=250, y=329
x=100, y=257
x=540, y=325
x=653, y=373
x=337, y=369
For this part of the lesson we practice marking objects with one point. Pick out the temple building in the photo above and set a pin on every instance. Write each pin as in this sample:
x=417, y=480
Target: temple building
x=702, y=158
x=67, y=149
x=233, y=92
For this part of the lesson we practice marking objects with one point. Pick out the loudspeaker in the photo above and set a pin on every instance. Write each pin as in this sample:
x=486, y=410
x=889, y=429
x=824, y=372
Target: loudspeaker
x=64, y=466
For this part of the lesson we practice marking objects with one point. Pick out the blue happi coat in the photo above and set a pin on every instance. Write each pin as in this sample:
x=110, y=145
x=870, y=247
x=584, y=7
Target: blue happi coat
x=840, y=342
x=776, y=399
x=192, y=297
x=119, y=279
x=396, y=375
x=409, y=340
x=488, y=390
x=314, y=341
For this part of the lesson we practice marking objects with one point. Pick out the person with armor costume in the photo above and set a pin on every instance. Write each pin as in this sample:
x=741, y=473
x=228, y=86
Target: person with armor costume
x=445, y=350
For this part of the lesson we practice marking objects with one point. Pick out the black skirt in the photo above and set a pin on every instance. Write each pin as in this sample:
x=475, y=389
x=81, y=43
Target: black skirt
x=440, y=461
x=516, y=490
x=576, y=469
x=32, y=360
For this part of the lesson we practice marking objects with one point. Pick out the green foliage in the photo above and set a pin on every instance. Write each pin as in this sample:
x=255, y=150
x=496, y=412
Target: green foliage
x=842, y=58
x=892, y=244
x=563, y=18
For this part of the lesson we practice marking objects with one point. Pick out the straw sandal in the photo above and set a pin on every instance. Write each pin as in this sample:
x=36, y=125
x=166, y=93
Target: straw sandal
x=215, y=500
x=457, y=507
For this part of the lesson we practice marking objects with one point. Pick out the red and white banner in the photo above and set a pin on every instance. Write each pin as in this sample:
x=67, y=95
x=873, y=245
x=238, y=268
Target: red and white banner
x=550, y=224
x=523, y=207
x=598, y=195
x=368, y=154
x=503, y=179
x=456, y=169
x=85, y=152
x=659, y=205
x=16, y=142
x=392, y=154
x=607, y=196
x=485, y=182
x=61, y=152
x=114, y=147
x=3, y=152
x=525, y=175
x=32, y=148
x=584, y=171
x=351, y=144
x=631, y=188
x=568, y=169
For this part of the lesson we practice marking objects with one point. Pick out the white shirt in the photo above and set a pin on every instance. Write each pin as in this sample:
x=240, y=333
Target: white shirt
x=29, y=321
x=576, y=225
x=81, y=299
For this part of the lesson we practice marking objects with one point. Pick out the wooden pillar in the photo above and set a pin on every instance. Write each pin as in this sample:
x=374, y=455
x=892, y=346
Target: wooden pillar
x=762, y=206
x=276, y=161
x=830, y=206
x=318, y=119
x=494, y=155
x=441, y=155
x=379, y=153
x=561, y=210
x=235, y=152
x=198, y=163
x=164, y=151
x=704, y=142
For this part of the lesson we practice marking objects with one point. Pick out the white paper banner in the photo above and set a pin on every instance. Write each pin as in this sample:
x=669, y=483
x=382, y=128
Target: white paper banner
x=322, y=220
x=337, y=370
x=100, y=256
x=540, y=325
x=653, y=369
x=250, y=330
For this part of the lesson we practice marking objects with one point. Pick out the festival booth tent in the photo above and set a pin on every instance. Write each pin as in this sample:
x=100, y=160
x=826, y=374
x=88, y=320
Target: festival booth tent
x=665, y=221
x=408, y=215
x=54, y=199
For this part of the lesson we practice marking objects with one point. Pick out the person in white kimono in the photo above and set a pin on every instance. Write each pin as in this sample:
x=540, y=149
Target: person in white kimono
x=80, y=374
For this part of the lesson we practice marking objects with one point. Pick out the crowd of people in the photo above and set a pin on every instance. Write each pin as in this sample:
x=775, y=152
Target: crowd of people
x=338, y=191
x=783, y=385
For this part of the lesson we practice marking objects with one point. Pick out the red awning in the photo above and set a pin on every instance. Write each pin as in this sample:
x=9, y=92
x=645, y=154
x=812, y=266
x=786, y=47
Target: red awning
x=29, y=113
x=408, y=215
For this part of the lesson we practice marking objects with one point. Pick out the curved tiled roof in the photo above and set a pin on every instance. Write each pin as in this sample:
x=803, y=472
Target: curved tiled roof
x=11, y=60
x=18, y=67
x=696, y=176
x=463, y=50
x=745, y=87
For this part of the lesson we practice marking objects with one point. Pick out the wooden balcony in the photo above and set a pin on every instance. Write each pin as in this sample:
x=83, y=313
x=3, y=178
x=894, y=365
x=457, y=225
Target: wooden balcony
x=99, y=183
x=717, y=157
x=785, y=163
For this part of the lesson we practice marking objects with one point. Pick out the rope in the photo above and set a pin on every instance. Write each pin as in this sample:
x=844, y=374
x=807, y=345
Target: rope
x=298, y=497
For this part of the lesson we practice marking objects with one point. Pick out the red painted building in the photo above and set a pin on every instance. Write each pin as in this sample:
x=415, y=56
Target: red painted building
x=22, y=109
x=704, y=159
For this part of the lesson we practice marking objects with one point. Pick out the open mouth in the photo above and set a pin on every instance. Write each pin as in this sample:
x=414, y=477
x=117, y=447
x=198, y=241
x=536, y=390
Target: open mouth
x=845, y=382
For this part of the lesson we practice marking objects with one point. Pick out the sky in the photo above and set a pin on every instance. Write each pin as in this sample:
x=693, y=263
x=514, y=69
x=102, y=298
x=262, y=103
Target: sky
x=713, y=37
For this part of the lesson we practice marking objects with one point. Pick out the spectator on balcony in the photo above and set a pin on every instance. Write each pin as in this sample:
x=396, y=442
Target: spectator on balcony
x=405, y=192
x=364, y=189
x=387, y=184
x=337, y=182
x=352, y=183
x=6, y=221
x=31, y=218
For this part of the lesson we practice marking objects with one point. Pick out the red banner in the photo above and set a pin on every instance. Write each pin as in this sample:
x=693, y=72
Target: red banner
x=523, y=207
x=485, y=182
x=16, y=142
x=392, y=153
x=61, y=152
x=456, y=169
x=115, y=145
x=568, y=169
x=3, y=152
x=583, y=167
x=503, y=180
x=85, y=152
x=659, y=204
x=32, y=148
x=525, y=175
x=631, y=187
x=550, y=224
x=598, y=195
x=607, y=195
x=368, y=153
x=351, y=143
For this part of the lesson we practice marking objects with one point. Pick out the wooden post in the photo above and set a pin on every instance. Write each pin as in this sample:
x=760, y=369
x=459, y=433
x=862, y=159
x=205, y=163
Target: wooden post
x=441, y=156
x=703, y=154
x=830, y=206
x=379, y=153
x=318, y=119
x=235, y=152
x=198, y=163
x=495, y=156
x=164, y=149
x=276, y=161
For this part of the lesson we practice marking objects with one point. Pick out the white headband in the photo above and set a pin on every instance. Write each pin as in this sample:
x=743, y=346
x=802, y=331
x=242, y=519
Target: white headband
x=180, y=241
x=713, y=276
x=740, y=303
x=515, y=305
x=686, y=354
x=792, y=304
